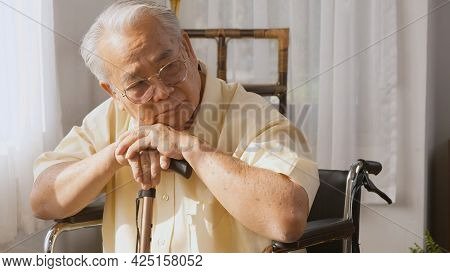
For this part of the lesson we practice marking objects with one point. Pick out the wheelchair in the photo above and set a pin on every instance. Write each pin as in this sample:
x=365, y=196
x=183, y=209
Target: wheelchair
x=333, y=222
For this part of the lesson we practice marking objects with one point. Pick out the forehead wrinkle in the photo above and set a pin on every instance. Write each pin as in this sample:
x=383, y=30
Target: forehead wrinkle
x=118, y=48
x=137, y=63
x=134, y=49
x=139, y=50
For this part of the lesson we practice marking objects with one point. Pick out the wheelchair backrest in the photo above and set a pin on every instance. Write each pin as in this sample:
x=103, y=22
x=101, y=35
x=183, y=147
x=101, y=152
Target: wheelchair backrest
x=329, y=200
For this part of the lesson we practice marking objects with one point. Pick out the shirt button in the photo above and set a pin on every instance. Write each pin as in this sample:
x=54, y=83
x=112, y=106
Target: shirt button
x=161, y=242
x=165, y=197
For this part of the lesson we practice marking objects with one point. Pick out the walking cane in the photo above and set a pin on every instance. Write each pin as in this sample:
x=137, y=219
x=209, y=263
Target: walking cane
x=144, y=227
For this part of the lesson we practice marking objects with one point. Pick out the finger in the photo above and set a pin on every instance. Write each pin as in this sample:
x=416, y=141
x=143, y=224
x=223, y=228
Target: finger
x=123, y=135
x=129, y=139
x=155, y=168
x=119, y=139
x=121, y=159
x=136, y=168
x=168, y=148
x=145, y=161
x=164, y=162
x=145, y=143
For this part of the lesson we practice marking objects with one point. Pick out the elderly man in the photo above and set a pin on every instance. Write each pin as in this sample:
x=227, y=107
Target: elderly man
x=250, y=184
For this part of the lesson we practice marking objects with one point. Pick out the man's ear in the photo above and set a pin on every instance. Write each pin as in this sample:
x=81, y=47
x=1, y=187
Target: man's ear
x=187, y=45
x=105, y=86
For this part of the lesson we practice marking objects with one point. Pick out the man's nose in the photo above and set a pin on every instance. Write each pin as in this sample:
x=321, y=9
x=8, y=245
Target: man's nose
x=161, y=92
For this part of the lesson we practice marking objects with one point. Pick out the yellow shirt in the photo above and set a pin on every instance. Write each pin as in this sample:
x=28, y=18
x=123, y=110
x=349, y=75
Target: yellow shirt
x=187, y=217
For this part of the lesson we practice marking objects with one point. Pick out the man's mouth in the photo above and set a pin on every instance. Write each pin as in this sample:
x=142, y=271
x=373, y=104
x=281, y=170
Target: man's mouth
x=165, y=111
x=165, y=114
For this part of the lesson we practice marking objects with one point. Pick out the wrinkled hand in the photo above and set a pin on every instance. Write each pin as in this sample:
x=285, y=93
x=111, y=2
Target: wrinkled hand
x=146, y=165
x=148, y=149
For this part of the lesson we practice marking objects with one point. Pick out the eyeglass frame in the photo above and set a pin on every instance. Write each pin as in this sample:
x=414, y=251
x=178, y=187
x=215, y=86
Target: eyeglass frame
x=124, y=92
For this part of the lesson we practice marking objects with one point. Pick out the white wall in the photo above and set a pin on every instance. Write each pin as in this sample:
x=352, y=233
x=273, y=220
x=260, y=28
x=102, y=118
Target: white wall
x=79, y=90
x=397, y=227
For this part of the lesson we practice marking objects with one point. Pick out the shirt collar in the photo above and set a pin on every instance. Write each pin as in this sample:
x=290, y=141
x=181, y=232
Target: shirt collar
x=207, y=122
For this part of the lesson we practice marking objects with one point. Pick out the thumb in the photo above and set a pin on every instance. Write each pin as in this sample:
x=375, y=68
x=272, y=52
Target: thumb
x=164, y=161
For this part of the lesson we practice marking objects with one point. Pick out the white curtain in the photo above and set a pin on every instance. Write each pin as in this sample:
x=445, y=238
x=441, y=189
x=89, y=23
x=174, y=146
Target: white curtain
x=30, y=115
x=342, y=71
x=358, y=95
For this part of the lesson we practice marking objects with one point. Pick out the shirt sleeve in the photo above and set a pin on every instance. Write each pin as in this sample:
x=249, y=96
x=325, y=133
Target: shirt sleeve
x=281, y=148
x=76, y=145
x=80, y=143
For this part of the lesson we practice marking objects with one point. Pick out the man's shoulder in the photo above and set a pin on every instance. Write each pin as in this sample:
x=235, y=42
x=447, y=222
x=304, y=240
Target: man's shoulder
x=105, y=121
x=245, y=104
x=101, y=111
x=249, y=115
x=239, y=101
x=106, y=113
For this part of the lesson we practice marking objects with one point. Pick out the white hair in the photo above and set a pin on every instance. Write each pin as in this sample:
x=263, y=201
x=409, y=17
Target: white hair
x=116, y=18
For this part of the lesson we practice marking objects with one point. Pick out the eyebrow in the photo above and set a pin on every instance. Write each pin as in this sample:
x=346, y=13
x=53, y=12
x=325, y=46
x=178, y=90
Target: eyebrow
x=163, y=55
x=130, y=78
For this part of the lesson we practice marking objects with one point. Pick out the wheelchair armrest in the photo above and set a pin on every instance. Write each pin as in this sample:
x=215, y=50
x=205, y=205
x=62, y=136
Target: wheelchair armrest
x=93, y=211
x=317, y=232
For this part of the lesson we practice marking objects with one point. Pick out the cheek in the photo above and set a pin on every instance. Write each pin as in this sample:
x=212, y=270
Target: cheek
x=191, y=90
x=192, y=83
x=187, y=93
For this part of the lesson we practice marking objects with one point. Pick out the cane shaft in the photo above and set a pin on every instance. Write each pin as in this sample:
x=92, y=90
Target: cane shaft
x=145, y=228
x=147, y=198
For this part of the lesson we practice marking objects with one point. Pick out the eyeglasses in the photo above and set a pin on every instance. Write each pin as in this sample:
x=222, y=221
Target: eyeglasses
x=170, y=75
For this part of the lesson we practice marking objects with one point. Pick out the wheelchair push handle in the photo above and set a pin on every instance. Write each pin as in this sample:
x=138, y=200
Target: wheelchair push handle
x=372, y=167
